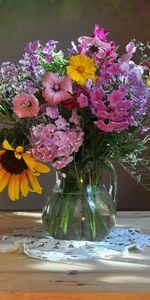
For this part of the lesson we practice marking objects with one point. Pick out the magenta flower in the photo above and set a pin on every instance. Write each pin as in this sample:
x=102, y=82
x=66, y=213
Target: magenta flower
x=56, y=88
x=115, y=98
x=26, y=105
x=82, y=100
x=97, y=46
x=112, y=126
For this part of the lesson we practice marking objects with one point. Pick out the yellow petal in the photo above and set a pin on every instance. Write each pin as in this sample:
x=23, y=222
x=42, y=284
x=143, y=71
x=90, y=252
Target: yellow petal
x=29, y=160
x=17, y=155
x=7, y=146
x=2, y=152
x=4, y=181
x=17, y=186
x=34, y=182
x=11, y=188
x=3, y=172
x=41, y=168
x=24, y=187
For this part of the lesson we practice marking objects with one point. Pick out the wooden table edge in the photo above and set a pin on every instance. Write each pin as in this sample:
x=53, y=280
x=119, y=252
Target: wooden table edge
x=74, y=295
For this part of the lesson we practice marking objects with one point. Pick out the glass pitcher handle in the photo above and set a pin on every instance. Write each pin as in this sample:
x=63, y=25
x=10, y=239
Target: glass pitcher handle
x=113, y=188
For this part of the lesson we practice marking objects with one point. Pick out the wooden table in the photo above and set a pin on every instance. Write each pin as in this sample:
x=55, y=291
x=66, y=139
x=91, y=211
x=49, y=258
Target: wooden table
x=21, y=273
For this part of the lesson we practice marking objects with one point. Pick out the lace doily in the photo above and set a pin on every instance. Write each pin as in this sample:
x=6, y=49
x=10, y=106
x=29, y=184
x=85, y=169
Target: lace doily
x=37, y=243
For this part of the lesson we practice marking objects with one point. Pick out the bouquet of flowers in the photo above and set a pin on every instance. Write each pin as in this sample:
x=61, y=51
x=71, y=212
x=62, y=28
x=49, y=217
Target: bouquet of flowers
x=74, y=109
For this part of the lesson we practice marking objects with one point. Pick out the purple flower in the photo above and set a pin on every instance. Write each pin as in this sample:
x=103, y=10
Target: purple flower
x=61, y=123
x=48, y=48
x=32, y=47
x=120, y=98
x=74, y=118
x=52, y=112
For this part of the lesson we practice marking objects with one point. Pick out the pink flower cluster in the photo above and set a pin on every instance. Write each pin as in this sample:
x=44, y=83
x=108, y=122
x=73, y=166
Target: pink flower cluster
x=119, y=98
x=57, y=141
x=113, y=113
x=98, y=46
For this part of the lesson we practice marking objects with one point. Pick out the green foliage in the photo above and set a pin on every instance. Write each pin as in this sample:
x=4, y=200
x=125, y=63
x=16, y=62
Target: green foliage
x=57, y=65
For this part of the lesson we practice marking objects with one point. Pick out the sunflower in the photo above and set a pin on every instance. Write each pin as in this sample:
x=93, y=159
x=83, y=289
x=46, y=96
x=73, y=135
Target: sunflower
x=81, y=68
x=148, y=79
x=19, y=171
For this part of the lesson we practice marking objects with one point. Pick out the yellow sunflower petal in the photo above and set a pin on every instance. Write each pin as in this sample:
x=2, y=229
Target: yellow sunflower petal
x=11, y=188
x=41, y=168
x=24, y=187
x=7, y=146
x=2, y=152
x=4, y=181
x=3, y=172
x=34, y=182
x=17, y=186
x=17, y=155
x=29, y=160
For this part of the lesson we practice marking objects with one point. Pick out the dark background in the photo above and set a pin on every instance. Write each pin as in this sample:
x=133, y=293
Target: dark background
x=65, y=20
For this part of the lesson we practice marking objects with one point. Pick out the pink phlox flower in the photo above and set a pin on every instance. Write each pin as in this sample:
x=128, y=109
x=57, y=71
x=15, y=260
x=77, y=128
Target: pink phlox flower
x=111, y=126
x=60, y=138
x=130, y=48
x=36, y=133
x=56, y=88
x=55, y=146
x=75, y=139
x=26, y=105
x=50, y=129
x=52, y=112
x=74, y=118
x=63, y=151
x=82, y=100
x=61, y=123
x=62, y=163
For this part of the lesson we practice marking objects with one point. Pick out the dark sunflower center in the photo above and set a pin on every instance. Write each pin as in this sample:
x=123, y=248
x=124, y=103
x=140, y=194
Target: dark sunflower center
x=11, y=164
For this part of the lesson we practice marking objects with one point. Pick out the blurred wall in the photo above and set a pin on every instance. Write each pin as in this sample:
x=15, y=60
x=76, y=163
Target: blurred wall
x=64, y=20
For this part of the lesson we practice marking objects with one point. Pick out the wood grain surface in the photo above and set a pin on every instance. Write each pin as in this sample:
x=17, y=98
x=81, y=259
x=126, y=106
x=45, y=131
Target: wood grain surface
x=75, y=296
x=20, y=273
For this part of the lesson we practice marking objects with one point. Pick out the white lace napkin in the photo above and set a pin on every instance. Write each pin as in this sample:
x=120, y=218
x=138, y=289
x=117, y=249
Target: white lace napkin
x=37, y=243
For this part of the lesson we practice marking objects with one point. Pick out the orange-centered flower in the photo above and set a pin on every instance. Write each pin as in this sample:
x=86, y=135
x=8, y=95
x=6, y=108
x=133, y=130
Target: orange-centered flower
x=19, y=171
x=81, y=68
